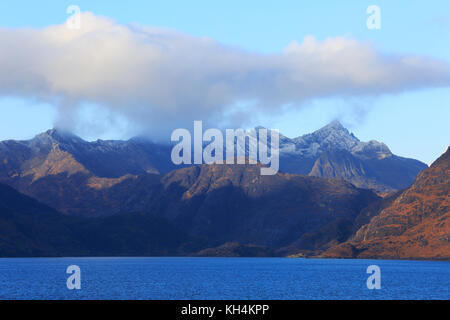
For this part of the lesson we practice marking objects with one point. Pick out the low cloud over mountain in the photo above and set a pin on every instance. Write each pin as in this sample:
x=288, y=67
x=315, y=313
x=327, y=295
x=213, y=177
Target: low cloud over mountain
x=161, y=79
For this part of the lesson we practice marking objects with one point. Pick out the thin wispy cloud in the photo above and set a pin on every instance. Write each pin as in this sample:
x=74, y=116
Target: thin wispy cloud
x=160, y=79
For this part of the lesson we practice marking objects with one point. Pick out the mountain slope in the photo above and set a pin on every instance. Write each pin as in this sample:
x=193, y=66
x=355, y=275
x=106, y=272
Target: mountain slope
x=31, y=229
x=415, y=225
x=341, y=164
x=384, y=175
x=231, y=203
x=190, y=211
x=234, y=203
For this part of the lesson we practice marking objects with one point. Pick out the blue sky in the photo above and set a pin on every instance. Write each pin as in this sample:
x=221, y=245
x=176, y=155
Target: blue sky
x=413, y=123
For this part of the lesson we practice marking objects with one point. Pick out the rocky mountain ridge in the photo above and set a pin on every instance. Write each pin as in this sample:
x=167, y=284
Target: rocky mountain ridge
x=416, y=224
x=331, y=152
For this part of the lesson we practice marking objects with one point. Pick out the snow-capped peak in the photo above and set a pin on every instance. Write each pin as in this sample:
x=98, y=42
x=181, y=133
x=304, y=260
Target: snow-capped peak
x=333, y=136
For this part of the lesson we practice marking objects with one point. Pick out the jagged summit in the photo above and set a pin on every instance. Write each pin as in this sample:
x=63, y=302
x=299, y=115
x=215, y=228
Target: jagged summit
x=335, y=128
x=55, y=135
x=335, y=124
x=58, y=133
x=332, y=136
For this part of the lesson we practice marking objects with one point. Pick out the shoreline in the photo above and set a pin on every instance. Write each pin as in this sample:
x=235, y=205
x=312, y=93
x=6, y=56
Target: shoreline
x=222, y=257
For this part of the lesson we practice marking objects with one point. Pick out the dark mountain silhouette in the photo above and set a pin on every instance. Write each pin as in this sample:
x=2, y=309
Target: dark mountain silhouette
x=201, y=207
x=234, y=203
x=416, y=224
x=31, y=229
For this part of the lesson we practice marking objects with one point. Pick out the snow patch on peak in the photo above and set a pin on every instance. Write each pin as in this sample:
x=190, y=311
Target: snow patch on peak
x=333, y=136
x=57, y=135
x=372, y=149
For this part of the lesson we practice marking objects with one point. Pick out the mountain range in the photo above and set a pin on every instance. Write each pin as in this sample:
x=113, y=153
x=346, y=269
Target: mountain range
x=332, y=198
x=72, y=175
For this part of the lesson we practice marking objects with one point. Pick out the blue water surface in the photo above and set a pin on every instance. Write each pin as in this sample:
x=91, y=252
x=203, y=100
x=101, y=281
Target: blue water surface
x=222, y=278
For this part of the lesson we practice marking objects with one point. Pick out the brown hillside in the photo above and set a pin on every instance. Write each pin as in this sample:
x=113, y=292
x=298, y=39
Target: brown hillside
x=416, y=225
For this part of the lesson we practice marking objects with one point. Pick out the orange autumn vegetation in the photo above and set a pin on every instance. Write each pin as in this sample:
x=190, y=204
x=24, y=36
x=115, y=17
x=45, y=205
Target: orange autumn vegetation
x=416, y=225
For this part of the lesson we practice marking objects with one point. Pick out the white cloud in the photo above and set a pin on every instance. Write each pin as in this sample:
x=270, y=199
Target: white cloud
x=162, y=79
